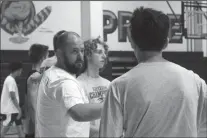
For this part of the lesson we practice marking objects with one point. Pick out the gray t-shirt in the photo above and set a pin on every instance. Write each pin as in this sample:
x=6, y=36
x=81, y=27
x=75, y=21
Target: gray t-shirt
x=159, y=99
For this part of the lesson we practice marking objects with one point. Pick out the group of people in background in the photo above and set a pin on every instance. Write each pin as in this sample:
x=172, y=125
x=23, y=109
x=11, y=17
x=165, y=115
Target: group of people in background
x=66, y=96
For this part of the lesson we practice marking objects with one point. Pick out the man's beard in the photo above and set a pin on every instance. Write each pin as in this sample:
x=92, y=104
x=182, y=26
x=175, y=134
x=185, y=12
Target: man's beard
x=73, y=68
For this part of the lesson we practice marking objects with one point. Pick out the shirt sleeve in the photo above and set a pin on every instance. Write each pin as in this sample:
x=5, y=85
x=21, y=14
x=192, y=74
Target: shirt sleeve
x=111, y=124
x=12, y=86
x=202, y=107
x=71, y=94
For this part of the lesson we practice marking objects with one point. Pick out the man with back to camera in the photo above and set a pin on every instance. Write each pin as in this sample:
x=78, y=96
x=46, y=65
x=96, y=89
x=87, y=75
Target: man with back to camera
x=10, y=100
x=156, y=98
x=63, y=109
x=37, y=53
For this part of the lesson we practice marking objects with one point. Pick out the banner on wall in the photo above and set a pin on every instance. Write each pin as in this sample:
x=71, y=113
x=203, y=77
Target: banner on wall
x=120, y=23
x=116, y=16
x=19, y=19
x=24, y=23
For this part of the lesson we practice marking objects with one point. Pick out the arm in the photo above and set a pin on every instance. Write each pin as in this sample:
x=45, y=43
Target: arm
x=30, y=109
x=12, y=88
x=14, y=100
x=73, y=101
x=33, y=84
x=86, y=112
x=36, y=77
x=32, y=90
x=111, y=124
x=202, y=110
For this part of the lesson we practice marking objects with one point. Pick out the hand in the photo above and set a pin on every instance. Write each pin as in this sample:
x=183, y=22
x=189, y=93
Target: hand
x=19, y=115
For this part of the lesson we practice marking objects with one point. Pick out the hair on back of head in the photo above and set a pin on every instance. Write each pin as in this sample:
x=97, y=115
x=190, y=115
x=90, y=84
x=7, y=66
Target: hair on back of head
x=149, y=29
x=37, y=52
x=14, y=66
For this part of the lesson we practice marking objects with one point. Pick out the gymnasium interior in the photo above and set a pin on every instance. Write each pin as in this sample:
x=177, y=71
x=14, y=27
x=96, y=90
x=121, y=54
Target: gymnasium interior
x=187, y=37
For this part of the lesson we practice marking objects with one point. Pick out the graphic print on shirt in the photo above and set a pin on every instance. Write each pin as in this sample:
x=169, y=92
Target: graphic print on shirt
x=98, y=94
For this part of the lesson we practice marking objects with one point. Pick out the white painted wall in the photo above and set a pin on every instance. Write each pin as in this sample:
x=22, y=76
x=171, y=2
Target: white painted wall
x=91, y=19
x=116, y=6
x=96, y=14
x=65, y=15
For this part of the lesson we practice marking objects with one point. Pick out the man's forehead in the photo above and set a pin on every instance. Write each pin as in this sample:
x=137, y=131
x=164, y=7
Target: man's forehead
x=74, y=42
x=100, y=47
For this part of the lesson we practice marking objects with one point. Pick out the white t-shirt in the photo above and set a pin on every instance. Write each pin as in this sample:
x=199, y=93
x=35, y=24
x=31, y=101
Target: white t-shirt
x=7, y=106
x=58, y=92
x=95, y=89
x=155, y=100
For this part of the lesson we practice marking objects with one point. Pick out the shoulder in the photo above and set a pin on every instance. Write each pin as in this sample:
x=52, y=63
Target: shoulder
x=105, y=80
x=82, y=80
x=81, y=77
x=70, y=83
x=70, y=87
x=36, y=76
x=9, y=79
x=49, y=62
x=199, y=81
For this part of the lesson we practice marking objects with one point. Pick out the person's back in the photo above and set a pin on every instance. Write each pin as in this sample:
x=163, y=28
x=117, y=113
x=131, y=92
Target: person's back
x=158, y=102
x=157, y=98
x=37, y=54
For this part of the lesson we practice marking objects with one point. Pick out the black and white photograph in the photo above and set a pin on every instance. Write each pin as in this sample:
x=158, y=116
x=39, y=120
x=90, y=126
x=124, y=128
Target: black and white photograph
x=127, y=69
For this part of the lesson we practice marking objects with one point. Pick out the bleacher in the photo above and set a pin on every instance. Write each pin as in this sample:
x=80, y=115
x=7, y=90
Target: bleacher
x=119, y=63
x=122, y=61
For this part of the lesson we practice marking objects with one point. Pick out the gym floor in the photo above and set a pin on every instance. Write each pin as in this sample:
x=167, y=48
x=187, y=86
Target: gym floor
x=12, y=132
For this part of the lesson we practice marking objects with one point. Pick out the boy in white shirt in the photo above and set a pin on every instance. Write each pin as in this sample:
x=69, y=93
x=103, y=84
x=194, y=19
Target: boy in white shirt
x=10, y=100
x=95, y=86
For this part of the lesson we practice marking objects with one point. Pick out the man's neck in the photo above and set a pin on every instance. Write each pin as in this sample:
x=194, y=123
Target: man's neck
x=61, y=66
x=150, y=57
x=92, y=71
x=13, y=75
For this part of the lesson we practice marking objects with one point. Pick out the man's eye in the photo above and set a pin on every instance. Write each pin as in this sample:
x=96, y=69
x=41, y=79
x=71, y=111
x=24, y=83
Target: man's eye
x=75, y=51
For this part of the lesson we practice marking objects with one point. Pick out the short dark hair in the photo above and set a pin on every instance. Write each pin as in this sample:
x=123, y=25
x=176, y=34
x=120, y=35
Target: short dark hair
x=14, y=66
x=59, y=38
x=149, y=29
x=37, y=52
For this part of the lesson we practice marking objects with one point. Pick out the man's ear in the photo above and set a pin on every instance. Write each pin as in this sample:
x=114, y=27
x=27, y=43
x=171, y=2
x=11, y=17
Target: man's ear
x=131, y=41
x=166, y=43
